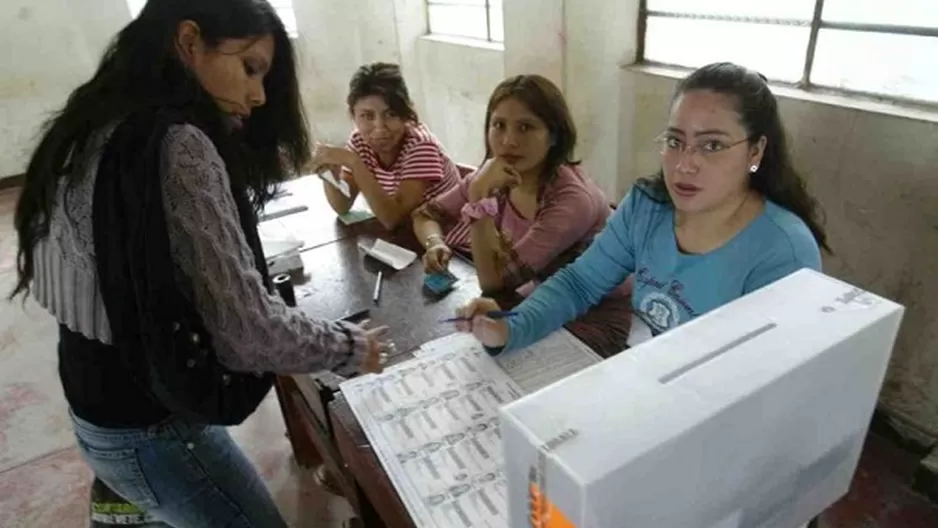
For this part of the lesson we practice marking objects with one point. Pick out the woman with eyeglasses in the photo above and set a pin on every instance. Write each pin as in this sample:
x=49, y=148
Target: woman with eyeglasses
x=726, y=215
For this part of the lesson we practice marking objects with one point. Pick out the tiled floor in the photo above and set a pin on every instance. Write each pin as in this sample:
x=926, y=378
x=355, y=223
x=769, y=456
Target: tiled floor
x=44, y=483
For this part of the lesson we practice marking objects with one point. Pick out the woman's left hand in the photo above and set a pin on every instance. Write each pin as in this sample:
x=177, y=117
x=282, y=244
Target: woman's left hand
x=494, y=174
x=328, y=155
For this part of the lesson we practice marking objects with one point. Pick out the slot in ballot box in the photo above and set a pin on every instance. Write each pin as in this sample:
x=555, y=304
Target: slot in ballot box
x=751, y=416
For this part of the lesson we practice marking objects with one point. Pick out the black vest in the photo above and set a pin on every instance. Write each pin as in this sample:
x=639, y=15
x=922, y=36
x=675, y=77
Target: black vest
x=162, y=356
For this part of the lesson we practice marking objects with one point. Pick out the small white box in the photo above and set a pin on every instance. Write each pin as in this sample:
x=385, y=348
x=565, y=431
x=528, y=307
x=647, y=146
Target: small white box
x=751, y=416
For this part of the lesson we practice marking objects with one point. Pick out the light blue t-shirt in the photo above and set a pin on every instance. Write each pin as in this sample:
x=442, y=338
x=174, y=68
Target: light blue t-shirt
x=671, y=287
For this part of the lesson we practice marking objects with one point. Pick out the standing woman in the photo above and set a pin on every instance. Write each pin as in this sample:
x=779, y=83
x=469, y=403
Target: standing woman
x=137, y=231
x=391, y=157
x=727, y=215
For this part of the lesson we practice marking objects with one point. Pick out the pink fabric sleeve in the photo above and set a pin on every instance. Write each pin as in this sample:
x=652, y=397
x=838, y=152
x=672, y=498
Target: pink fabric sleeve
x=566, y=219
x=449, y=204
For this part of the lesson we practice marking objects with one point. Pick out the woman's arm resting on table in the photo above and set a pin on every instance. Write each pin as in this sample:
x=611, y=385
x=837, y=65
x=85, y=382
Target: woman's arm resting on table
x=389, y=210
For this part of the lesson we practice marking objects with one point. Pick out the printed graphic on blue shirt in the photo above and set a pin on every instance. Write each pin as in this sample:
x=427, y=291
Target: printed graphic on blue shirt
x=661, y=304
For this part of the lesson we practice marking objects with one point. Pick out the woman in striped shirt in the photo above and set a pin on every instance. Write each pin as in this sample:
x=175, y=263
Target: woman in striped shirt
x=391, y=158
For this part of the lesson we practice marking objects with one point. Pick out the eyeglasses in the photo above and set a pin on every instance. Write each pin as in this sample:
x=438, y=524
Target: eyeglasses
x=671, y=145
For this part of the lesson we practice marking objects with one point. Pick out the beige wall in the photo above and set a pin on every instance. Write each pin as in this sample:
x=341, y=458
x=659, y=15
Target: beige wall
x=49, y=47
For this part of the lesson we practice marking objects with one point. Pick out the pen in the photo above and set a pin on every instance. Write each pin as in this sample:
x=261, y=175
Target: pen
x=377, y=294
x=355, y=316
x=490, y=315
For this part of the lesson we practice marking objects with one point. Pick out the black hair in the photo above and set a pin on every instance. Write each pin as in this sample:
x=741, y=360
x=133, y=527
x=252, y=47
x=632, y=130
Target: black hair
x=776, y=178
x=141, y=69
x=542, y=97
x=386, y=81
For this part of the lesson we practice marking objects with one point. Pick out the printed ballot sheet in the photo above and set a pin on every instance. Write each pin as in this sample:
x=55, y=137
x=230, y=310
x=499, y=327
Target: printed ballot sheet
x=433, y=422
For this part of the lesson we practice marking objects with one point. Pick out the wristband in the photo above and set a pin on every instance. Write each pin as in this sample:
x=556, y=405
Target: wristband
x=486, y=207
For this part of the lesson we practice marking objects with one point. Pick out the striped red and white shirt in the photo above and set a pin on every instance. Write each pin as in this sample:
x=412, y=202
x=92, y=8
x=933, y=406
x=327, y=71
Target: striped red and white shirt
x=421, y=158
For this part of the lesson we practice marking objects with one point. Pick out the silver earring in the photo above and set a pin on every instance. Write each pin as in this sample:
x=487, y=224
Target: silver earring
x=753, y=169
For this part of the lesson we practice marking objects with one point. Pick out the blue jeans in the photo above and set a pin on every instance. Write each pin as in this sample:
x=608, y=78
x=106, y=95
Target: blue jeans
x=182, y=474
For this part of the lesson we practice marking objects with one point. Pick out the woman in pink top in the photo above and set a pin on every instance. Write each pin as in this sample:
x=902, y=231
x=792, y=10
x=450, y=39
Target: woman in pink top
x=530, y=208
x=391, y=157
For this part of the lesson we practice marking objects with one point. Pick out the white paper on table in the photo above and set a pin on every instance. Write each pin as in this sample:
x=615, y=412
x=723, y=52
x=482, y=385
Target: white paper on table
x=285, y=204
x=549, y=360
x=338, y=183
x=433, y=423
x=390, y=254
x=274, y=248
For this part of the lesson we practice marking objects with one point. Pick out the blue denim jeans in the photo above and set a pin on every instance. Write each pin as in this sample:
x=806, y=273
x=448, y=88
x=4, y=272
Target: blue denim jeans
x=183, y=474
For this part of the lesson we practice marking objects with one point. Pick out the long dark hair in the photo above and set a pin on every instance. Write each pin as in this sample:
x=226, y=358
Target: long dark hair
x=141, y=69
x=546, y=101
x=776, y=179
x=386, y=81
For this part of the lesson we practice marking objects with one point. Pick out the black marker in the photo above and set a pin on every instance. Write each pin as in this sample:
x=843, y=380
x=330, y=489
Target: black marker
x=376, y=296
x=284, y=286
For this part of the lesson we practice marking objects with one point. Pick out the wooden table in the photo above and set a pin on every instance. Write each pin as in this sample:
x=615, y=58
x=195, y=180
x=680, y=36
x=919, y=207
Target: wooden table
x=318, y=225
x=339, y=280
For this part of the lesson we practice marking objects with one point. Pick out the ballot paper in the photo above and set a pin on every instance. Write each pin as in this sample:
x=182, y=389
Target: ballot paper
x=390, y=254
x=433, y=422
x=338, y=183
x=284, y=204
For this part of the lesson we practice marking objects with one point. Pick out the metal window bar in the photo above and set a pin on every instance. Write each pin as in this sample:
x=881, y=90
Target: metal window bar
x=488, y=20
x=812, y=44
x=822, y=89
x=921, y=31
x=816, y=24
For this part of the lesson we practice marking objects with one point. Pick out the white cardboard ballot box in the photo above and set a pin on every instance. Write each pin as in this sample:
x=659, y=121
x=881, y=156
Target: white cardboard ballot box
x=751, y=416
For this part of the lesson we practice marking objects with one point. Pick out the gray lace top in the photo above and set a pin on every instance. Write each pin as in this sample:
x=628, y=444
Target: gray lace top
x=252, y=330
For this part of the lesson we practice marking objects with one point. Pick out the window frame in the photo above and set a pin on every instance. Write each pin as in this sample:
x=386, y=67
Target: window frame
x=816, y=24
x=488, y=19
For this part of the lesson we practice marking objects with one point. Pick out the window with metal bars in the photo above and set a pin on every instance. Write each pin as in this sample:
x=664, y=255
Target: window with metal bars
x=476, y=19
x=284, y=9
x=870, y=47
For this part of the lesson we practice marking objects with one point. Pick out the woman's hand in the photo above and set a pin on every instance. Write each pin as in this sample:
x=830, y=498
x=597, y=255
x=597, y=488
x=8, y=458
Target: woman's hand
x=436, y=259
x=488, y=331
x=494, y=175
x=379, y=350
x=330, y=156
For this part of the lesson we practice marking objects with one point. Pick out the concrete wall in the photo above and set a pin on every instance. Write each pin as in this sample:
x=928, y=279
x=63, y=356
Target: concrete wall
x=449, y=82
x=49, y=48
